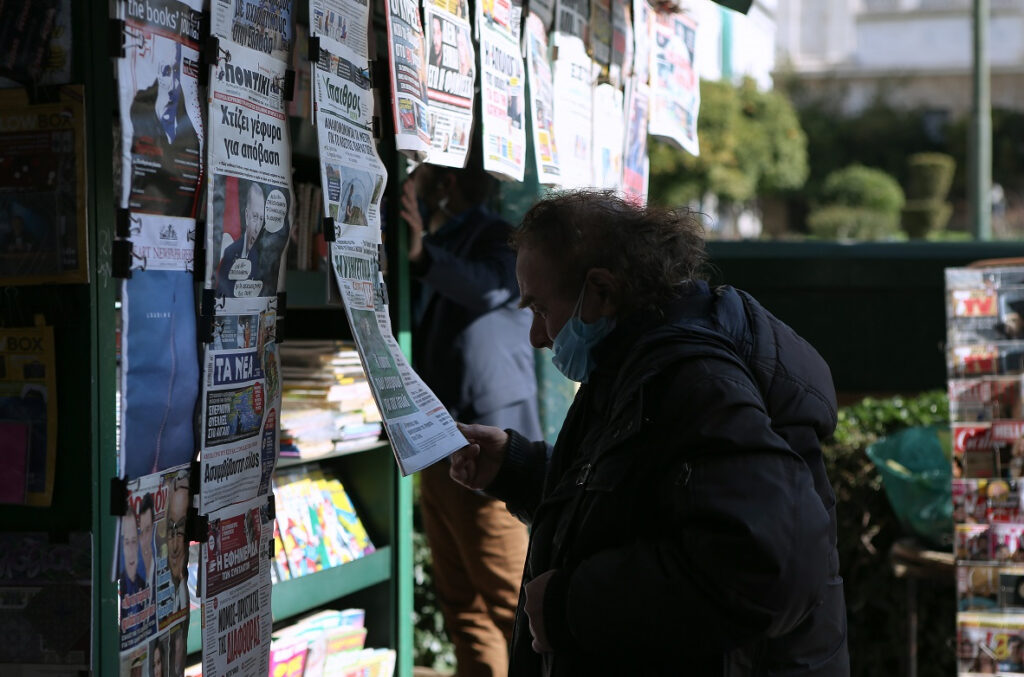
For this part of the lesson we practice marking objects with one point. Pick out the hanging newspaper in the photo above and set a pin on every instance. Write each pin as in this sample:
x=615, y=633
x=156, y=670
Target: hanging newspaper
x=161, y=118
x=343, y=21
x=600, y=33
x=159, y=372
x=251, y=202
x=351, y=173
x=503, y=102
x=501, y=16
x=675, y=89
x=573, y=114
x=235, y=564
x=634, y=162
x=450, y=78
x=542, y=101
x=420, y=428
x=408, y=78
x=241, y=408
x=261, y=25
x=643, y=16
x=609, y=136
x=622, y=43
x=151, y=573
x=28, y=415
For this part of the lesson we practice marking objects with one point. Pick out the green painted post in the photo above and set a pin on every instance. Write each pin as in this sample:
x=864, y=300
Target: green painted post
x=980, y=157
x=99, y=93
x=726, y=15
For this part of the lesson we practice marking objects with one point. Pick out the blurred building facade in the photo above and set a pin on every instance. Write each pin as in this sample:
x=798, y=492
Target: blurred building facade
x=908, y=53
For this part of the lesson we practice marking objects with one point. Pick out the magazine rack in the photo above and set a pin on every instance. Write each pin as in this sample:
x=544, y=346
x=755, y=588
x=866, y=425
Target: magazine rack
x=85, y=316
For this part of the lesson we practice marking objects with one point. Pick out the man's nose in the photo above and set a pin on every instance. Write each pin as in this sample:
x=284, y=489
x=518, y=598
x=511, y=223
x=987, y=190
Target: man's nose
x=539, y=334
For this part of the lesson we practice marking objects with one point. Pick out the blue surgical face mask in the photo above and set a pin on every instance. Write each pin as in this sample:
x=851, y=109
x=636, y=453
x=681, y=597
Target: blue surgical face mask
x=575, y=342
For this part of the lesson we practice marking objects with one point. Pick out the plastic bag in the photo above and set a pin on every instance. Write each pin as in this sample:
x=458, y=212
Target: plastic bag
x=916, y=471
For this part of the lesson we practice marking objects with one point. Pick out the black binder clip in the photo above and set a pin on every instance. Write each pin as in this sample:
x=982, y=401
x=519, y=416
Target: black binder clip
x=289, y=85
x=376, y=127
x=207, y=60
x=116, y=39
x=121, y=259
x=122, y=223
x=282, y=304
x=197, y=527
x=271, y=549
x=118, y=496
x=329, y=234
x=313, y=53
x=271, y=507
x=199, y=253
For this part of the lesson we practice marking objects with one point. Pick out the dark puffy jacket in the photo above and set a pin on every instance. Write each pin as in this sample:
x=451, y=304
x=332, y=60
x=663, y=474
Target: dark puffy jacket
x=685, y=505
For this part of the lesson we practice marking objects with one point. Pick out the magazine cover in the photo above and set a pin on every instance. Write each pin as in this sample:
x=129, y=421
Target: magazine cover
x=152, y=572
x=28, y=415
x=46, y=586
x=161, y=117
x=973, y=455
x=43, y=217
x=990, y=643
x=159, y=372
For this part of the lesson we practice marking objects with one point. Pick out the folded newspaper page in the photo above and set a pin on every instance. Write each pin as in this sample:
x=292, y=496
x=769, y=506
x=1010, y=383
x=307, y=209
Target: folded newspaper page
x=420, y=428
x=343, y=21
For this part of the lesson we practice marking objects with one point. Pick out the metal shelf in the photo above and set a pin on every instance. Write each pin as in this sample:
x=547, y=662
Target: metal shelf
x=364, y=445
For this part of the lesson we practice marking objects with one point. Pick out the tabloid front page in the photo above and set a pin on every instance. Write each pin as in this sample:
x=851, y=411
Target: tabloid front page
x=542, y=101
x=573, y=121
x=451, y=72
x=609, y=134
x=251, y=203
x=262, y=25
x=343, y=21
x=408, y=78
x=675, y=89
x=635, y=166
x=503, y=102
x=235, y=561
x=241, y=408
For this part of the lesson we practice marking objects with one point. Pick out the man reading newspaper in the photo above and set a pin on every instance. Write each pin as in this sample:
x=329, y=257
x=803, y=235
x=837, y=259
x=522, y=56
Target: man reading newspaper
x=683, y=522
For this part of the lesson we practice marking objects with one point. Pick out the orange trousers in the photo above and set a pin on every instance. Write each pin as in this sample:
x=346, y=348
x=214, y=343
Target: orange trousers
x=478, y=551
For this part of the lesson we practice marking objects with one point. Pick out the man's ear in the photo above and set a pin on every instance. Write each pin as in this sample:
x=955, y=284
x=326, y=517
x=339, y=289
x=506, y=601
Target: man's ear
x=605, y=289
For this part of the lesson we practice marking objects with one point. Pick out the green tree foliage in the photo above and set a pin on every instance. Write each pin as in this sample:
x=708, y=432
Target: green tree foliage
x=857, y=202
x=867, y=527
x=751, y=144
